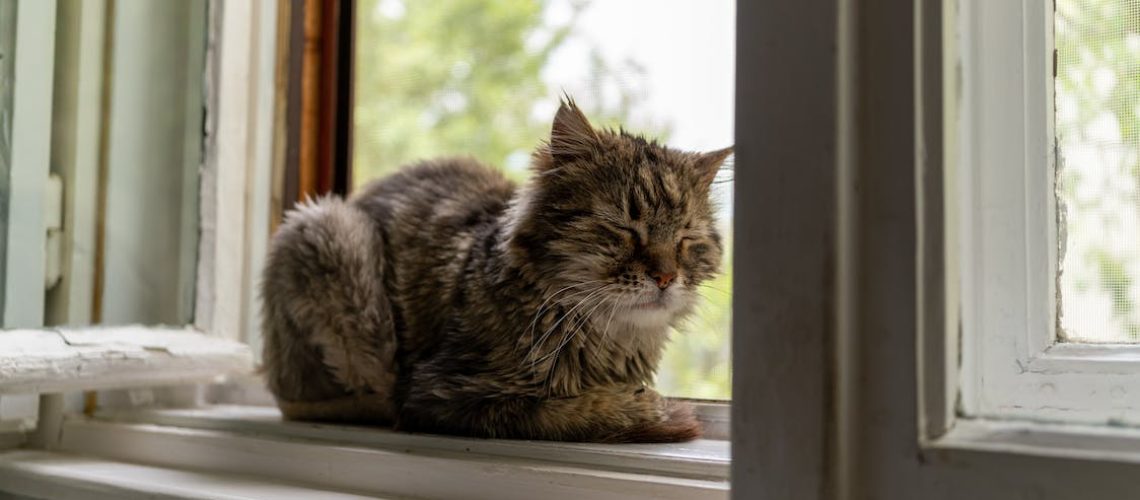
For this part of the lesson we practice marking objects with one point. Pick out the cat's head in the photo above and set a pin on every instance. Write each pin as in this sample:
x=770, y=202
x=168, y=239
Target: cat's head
x=621, y=226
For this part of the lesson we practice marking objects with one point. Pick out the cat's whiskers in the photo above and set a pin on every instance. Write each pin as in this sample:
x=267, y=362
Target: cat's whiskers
x=576, y=327
x=542, y=307
x=553, y=327
x=710, y=287
x=537, y=344
x=567, y=337
x=600, y=344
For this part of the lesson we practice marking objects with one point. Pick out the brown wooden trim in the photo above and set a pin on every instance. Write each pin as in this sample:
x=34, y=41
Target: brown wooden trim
x=310, y=83
x=99, y=278
x=334, y=116
x=326, y=114
x=281, y=142
x=292, y=182
x=317, y=107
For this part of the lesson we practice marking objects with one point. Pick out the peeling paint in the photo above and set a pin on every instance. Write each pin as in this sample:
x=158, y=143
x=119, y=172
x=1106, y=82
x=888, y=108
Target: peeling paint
x=36, y=361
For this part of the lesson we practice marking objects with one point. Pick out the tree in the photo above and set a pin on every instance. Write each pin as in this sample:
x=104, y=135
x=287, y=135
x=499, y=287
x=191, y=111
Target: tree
x=465, y=77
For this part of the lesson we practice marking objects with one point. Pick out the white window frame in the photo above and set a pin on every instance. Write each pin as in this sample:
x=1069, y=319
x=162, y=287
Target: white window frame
x=1014, y=364
x=234, y=181
x=864, y=404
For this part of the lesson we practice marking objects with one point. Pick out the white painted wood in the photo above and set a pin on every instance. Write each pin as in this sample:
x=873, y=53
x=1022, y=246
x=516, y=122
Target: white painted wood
x=39, y=474
x=1014, y=367
x=31, y=141
x=49, y=423
x=53, y=226
x=1007, y=290
x=263, y=90
x=702, y=459
x=893, y=459
x=1062, y=441
x=393, y=472
x=39, y=361
x=785, y=235
x=231, y=62
x=77, y=119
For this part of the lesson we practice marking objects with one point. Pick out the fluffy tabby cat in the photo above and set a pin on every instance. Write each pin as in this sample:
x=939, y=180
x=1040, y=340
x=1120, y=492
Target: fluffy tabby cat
x=446, y=299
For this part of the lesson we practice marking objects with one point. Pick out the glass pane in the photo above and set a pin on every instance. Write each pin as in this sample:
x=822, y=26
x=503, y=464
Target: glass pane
x=154, y=151
x=126, y=138
x=482, y=78
x=1098, y=179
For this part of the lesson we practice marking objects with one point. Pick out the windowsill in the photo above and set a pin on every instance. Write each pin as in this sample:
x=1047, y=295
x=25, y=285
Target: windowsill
x=703, y=458
x=253, y=441
x=1047, y=440
x=47, y=474
x=60, y=359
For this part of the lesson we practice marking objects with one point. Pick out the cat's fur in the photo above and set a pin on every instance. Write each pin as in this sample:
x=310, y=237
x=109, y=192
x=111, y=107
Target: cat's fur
x=444, y=299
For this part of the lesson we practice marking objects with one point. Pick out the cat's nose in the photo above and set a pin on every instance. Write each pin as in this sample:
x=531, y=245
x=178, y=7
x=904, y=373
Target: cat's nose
x=663, y=279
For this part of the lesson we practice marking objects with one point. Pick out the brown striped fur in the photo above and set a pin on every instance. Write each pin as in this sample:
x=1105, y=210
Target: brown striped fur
x=446, y=299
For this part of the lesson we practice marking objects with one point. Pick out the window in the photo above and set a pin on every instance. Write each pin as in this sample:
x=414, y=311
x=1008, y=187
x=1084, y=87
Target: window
x=483, y=78
x=125, y=201
x=1047, y=212
x=156, y=143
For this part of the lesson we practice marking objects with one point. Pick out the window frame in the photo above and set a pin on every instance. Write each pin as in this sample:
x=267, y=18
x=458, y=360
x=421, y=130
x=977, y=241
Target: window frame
x=971, y=408
x=1014, y=364
x=234, y=200
x=885, y=362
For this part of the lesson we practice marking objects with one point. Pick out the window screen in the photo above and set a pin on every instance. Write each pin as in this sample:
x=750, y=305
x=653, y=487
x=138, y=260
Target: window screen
x=1098, y=162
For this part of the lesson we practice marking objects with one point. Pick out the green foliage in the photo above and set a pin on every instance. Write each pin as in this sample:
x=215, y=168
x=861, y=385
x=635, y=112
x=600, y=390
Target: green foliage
x=698, y=363
x=464, y=77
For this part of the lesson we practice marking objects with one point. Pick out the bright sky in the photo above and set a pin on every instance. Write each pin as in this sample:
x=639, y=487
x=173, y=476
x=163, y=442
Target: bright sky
x=686, y=48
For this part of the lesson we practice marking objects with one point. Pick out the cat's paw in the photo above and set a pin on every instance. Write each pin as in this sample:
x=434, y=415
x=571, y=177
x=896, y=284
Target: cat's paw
x=675, y=423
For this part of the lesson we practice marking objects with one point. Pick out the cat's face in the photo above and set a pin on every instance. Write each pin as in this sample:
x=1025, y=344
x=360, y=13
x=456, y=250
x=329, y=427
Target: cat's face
x=622, y=228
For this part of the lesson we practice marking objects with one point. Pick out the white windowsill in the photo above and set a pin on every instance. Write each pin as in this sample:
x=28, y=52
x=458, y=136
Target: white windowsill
x=703, y=458
x=253, y=442
x=59, y=359
x=1068, y=441
x=45, y=474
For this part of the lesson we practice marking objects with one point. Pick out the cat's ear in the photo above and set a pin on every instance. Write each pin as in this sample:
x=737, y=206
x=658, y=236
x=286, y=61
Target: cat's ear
x=708, y=164
x=571, y=135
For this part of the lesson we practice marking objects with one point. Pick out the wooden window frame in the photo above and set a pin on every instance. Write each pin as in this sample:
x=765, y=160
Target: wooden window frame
x=234, y=199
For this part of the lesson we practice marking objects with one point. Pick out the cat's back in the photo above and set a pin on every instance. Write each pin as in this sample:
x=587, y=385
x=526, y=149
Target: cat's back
x=431, y=215
x=448, y=195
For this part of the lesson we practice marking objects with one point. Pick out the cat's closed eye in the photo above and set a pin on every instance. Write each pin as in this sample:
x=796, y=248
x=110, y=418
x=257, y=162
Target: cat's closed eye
x=622, y=235
x=691, y=246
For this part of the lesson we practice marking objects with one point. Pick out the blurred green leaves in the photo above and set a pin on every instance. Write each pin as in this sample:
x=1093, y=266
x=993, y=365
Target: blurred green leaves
x=465, y=77
x=1098, y=133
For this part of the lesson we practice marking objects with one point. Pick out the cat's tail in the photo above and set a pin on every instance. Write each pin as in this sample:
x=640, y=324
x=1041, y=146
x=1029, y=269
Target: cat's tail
x=328, y=330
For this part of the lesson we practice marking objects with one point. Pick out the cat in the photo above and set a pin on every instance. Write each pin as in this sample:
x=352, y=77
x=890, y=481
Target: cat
x=445, y=299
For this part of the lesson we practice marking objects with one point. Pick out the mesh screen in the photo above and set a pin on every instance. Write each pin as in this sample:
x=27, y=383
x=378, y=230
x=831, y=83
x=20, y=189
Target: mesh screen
x=1098, y=180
